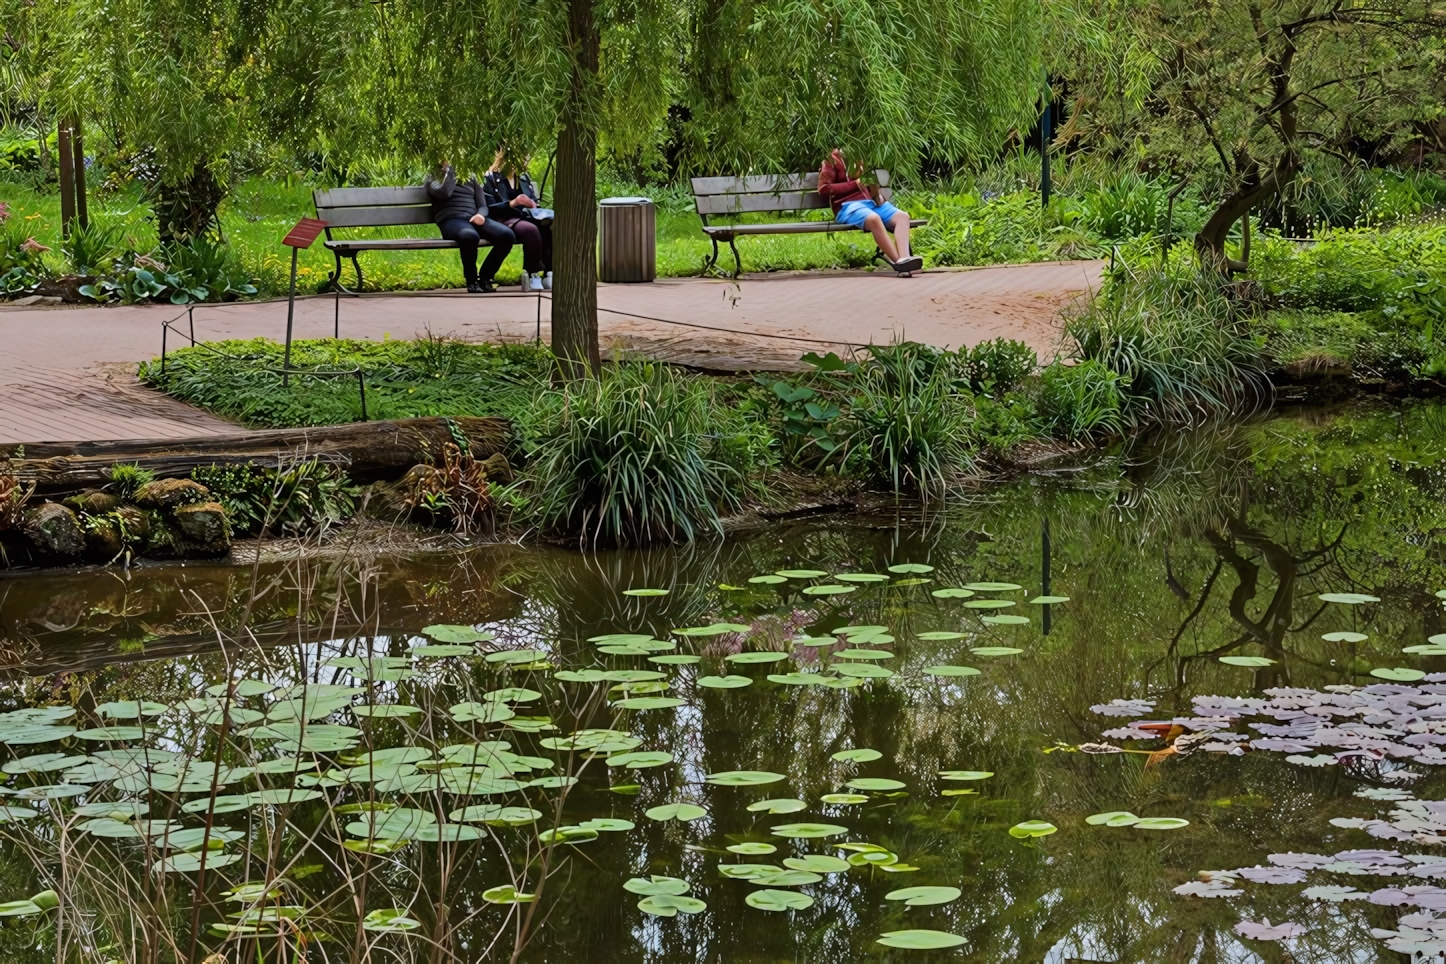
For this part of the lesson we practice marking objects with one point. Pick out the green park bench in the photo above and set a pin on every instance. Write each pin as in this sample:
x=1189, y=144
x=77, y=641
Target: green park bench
x=768, y=194
x=374, y=207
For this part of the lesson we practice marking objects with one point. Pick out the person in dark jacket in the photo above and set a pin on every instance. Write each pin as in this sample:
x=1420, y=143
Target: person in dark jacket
x=460, y=211
x=511, y=200
x=859, y=205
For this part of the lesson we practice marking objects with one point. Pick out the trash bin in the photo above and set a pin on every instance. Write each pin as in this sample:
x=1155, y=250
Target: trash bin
x=628, y=241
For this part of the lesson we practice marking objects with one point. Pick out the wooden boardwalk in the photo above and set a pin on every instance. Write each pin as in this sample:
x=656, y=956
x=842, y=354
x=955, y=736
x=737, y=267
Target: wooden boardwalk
x=67, y=373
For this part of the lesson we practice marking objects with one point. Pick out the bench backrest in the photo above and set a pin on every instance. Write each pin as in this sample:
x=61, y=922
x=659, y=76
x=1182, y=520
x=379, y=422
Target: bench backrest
x=766, y=192
x=372, y=207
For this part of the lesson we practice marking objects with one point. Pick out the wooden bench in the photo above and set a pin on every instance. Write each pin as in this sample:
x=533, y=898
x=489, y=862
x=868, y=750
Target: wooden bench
x=768, y=193
x=374, y=207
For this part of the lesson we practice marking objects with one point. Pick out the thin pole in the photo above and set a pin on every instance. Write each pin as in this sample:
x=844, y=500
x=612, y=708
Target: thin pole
x=77, y=145
x=539, y=317
x=67, y=180
x=290, y=313
x=1044, y=139
x=1044, y=568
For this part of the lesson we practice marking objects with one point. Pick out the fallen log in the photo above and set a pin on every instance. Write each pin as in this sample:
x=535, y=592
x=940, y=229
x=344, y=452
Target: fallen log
x=368, y=450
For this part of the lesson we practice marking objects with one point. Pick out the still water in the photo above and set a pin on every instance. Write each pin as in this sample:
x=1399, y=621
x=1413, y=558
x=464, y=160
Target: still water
x=763, y=741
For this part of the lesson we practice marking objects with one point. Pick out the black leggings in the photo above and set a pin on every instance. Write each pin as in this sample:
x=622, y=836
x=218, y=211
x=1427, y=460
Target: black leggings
x=536, y=241
x=469, y=235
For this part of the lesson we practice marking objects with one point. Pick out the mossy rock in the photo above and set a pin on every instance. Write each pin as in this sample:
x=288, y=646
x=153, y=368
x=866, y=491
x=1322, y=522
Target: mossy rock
x=203, y=527
x=55, y=531
x=92, y=502
x=170, y=493
x=109, y=535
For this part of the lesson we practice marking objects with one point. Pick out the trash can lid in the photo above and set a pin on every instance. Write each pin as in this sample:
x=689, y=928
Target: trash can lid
x=626, y=200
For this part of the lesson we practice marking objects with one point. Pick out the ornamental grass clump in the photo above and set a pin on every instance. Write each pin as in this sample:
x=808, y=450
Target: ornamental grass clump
x=634, y=456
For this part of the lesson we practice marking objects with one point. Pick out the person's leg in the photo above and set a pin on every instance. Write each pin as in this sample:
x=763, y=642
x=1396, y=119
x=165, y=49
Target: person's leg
x=461, y=231
x=545, y=230
x=531, y=240
x=900, y=223
x=875, y=226
x=502, y=239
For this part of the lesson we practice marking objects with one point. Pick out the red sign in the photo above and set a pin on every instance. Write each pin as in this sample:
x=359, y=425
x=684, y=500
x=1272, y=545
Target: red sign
x=306, y=231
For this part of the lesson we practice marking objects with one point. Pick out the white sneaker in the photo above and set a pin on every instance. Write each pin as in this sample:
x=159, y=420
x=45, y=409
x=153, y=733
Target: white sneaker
x=547, y=281
x=536, y=282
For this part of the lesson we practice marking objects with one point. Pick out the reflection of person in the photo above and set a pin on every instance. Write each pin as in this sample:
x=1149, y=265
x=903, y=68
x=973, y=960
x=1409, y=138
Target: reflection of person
x=511, y=199
x=859, y=205
x=460, y=211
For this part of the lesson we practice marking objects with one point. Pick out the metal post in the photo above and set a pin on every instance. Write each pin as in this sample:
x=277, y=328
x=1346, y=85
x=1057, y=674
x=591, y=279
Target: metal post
x=164, y=328
x=1044, y=569
x=361, y=384
x=336, y=313
x=1044, y=139
x=77, y=144
x=290, y=313
x=67, y=180
x=539, y=317
x=191, y=318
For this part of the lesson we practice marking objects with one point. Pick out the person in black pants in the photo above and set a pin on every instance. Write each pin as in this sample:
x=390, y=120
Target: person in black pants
x=460, y=211
x=511, y=198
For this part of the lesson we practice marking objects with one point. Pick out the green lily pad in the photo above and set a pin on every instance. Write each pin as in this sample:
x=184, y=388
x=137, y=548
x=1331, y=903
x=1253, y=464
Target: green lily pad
x=714, y=629
x=780, y=805
x=868, y=654
x=844, y=799
x=385, y=710
x=744, y=778
x=993, y=586
x=1348, y=598
x=44, y=763
x=724, y=682
x=756, y=657
x=953, y=593
x=608, y=824
x=640, y=760
x=817, y=864
x=571, y=835
x=1032, y=828
x=778, y=900
x=391, y=921
x=875, y=784
x=1160, y=823
x=989, y=604
x=665, y=905
x=796, y=679
x=768, y=580
x=863, y=670
x=947, y=670
x=579, y=675
x=860, y=755
x=110, y=733
x=925, y=896
x=920, y=940
x=656, y=886
x=939, y=635
x=458, y=634
x=1256, y=661
x=1005, y=620
x=996, y=651
x=645, y=592
x=1399, y=674
x=801, y=573
x=828, y=589
x=752, y=848
x=785, y=878
x=649, y=703
x=442, y=651
x=506, y=894
x=1048, y=600
x=911, y=569
x=861, y=577
x=1345, y=637
x=682, y=812
x=130, y=709
x=808, y=830
x=1425, y=650
x=189, y=863
x=1112, y=818
x=675, y=659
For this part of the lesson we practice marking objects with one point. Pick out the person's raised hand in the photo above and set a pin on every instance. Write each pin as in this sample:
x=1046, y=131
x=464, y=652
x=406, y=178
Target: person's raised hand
x=522, y=201
x=478, y=219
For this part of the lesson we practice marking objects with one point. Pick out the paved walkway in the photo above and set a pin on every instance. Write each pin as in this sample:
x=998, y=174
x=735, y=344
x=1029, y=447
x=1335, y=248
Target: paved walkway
x=67, y=373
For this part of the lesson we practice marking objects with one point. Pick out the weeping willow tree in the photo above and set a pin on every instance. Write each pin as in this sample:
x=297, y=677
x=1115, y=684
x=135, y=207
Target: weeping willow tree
x=179, y=85
x=763, y=87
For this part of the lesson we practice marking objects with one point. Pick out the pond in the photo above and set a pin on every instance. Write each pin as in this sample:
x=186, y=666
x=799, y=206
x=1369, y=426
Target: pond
x=1181, y=701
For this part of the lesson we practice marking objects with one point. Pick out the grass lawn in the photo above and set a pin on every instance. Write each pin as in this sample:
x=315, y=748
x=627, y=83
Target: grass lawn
x=259, y=212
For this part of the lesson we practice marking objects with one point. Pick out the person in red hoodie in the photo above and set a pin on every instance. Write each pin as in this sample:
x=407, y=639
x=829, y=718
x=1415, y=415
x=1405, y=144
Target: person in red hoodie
x=856, y=204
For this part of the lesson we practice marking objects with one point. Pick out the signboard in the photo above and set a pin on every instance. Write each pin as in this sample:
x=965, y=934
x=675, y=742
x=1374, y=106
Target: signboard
x=306, y=231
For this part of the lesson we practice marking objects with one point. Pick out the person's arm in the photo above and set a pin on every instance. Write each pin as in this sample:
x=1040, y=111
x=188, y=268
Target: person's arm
x=495, y=198
x=830, y=188
x=442, y=191
x=479, y=200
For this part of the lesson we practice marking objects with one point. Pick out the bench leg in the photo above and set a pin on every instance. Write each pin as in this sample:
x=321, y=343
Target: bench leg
x=357, y=265
x=737, y=261
x=335, y=280
x=710, y=261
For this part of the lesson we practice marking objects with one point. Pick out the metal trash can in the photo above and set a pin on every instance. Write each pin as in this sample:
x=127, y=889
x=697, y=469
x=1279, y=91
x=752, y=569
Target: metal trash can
x=628, y=239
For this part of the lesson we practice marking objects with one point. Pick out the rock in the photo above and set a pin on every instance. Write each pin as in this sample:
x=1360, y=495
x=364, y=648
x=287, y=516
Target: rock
x=203, y=530
x=397, y=501
x=92, y=502
x=66, y=288
x=103, y=540
x=169, y=493
x=55, y=530
x=496, y=468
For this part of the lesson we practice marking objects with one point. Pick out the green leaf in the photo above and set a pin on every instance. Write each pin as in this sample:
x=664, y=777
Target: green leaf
x=682, y=812
x=768, y=580
x=1256, y=661
x=442, y=651
x=665, y=905
x=875, y=784
x=778, y=900
x=1345, y=637
x=506, y=894
x=656, y=886
x=924, y=896
x=1399, y=675
x=1005, y=620
x=1159, y=823
x=639, y=760
x=779, y=805
x=817, y=864
x=808, y=830
x=993, y=586
x=947, y=670
x=920, y=940
x=1032, y=828
x=649, y=703
x=939, y=635
x=645, y=592
x=861, y=577
x=752, y=848
x=952, y=593
x=756, y=657
x=828, y=589
x=996, y=651
x=988, y=604
x=391, y=921
x=458, y=634
x=860, y=755
x=724, y=682
x=743, y=778
x=801, y=573
x=911, y=568
x=1348, y=598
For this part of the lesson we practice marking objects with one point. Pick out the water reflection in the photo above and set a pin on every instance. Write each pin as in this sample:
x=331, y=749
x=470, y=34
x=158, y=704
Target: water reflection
x=1198, y=546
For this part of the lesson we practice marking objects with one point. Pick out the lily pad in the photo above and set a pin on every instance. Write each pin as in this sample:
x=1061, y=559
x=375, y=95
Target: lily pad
x=1256, y=661
x=780, y=805
x=1349, y=598
x=817, y=864
x=109, y=733
x=911, y=569
x=796, y=679
x=752, y=848
x=965, y=774
x=1005, y=620
x=1345, y=637
x=865, y=654
x=1032, y=828
x=713, y=629
x=1048, y=600
x=801, y=573
x=645, y=592
x=665, y=905
x=1399, y=674
x=993, y=586
x=506, y=894
x=808, y=830
x=859, y=755
x=1161, y=823
x=875, y=784
x=861, y=577
x=989, y=604
x=768, y=580
x=724, y=682
x=744, y=778
x=939, y=635
x=844, y=799
x=649, y=703
x=1112, y=818
x=953, y=593
x=996, y=651
x=682, y=812
x=863, y=670
x=778, y=900
x=640, y=760
x=656, y=886
x=458, y=634
x=756, y=657
x=925, y=896
x=608, y=824
x=948, y=670
x=828, y=589
x=920, y=940
x=385, y=710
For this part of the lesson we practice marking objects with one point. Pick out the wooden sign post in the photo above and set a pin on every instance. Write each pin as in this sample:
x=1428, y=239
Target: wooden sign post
x=306, y=231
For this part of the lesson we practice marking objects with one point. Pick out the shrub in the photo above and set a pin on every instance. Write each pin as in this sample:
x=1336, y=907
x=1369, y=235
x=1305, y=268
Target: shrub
x=633, y=457
x=126, y=479
x=307, y=496
x=912, y=419
x=1083, y=400
x=997, y=367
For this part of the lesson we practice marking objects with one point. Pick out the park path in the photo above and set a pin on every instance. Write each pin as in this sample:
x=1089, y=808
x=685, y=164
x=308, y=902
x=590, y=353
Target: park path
x=68, y=373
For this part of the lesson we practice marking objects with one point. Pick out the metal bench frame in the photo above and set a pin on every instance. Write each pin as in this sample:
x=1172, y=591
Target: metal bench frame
x=769, y=193
x=374, y=207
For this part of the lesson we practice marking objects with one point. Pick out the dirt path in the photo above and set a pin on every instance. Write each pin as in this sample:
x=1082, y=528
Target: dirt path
x=65, y=372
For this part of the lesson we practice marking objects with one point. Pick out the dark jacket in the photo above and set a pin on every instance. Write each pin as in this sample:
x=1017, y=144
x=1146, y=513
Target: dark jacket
x=499, y=193
x=452, y=200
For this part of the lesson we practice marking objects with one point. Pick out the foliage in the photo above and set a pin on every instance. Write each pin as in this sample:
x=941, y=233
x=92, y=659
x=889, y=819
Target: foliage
x=1178, y=343
x=126, y=479
x=998, y=366
x=1083, y=400
x=14, y=495
x=304, y=496
x=20, y=262
x=91, y=248
x=181, y=272
x=632, y=457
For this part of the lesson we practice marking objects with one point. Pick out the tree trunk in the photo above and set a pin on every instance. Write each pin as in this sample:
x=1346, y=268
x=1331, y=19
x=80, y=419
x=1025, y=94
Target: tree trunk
x=1210, y=242
x=574, y=290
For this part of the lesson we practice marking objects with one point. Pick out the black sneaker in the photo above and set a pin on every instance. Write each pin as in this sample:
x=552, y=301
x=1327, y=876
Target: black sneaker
x=473, y=288
x=913, y=263
x=481, y=288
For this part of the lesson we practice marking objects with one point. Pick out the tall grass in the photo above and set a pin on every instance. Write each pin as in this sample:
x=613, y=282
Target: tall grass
x=1178, y=340
x=634, y=456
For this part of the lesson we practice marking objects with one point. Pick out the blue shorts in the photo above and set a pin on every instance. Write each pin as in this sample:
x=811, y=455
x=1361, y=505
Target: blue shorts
x=854, y=212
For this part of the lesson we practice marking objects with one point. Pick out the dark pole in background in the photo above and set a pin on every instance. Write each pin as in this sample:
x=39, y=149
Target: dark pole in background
x=1044, y=138
x=290, y=313
x=1044, y=568
x=67, y=179
x=77, y=144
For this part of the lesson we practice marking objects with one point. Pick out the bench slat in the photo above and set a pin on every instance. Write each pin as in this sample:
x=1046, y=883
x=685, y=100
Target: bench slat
x=373, y=217
x=375, y=197
x=725, y=231
x=392, y=244
x=767, y=183
x=754, y=203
